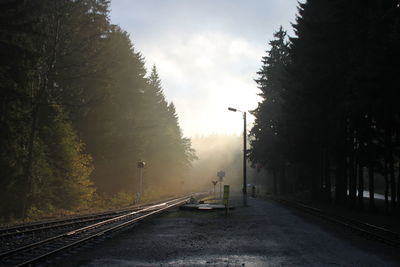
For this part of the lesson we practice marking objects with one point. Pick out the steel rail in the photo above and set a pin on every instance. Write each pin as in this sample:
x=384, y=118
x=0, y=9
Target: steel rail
x=113, y=222
x=96, y=235
x=48, y=224
x=366, y=229
x=55, y=225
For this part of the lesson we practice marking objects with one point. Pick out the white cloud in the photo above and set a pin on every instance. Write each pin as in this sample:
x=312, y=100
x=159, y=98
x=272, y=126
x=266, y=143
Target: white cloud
x=200, y=74
x=207, y=53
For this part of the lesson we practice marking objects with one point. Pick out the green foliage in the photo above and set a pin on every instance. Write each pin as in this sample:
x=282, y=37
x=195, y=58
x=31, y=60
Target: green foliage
x=121, y=199
x=77, y=112
x=70, y=166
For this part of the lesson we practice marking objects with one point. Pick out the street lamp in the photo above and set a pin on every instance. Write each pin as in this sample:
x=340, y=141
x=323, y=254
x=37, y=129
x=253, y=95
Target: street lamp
x=244, y=155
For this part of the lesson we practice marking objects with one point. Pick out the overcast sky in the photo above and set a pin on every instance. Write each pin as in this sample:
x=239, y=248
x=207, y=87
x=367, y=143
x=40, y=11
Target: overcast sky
x=207, y=53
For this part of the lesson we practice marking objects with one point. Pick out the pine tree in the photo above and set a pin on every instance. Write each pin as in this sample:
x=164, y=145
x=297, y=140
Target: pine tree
x=268, y=132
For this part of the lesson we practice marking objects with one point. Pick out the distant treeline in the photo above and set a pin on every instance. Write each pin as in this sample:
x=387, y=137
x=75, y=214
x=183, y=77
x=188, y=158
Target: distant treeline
x=78, y=110
x=329, y=119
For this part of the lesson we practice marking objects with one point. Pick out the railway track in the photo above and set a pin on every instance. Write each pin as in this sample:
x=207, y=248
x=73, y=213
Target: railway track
x=23, y=250
x=27, y=228
x=367, y=230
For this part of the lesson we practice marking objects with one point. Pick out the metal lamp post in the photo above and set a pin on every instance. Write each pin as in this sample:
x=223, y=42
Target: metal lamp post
x=244, y=155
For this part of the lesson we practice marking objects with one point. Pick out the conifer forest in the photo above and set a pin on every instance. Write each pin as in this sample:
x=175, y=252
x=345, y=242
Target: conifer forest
x=329, y=119
x=78, y=111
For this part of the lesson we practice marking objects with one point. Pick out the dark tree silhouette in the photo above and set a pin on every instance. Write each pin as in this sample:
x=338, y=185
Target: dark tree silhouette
x=337, y=110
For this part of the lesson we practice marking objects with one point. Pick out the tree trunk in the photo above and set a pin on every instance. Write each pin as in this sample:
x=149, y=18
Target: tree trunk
x=386, y=187
x=360, y=186
x=321, y=174
x=371, y=186
x=352, y=170
x=398, y=184
x=371, y=157
x=340, y=181
x=327, y=177
x=392, y=182
x=391, y=173
x=340, y=175
x=315, y=179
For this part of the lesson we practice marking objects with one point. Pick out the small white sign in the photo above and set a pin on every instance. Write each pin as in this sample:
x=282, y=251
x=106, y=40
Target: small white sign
x=221, y=175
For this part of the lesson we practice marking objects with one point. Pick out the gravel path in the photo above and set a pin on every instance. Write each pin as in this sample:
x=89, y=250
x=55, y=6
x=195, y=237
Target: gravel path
x=262, y=234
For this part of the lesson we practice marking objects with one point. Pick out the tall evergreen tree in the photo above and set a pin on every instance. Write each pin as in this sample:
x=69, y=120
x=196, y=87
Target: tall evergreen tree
x=268, y=130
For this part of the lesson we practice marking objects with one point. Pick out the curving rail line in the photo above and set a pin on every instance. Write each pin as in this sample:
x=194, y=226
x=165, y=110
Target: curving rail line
x=370, y=231
x=32, y=252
